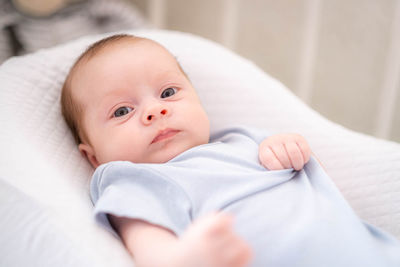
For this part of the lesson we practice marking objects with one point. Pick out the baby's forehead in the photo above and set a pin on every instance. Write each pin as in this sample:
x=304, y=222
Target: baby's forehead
x=130, y=42
x=88, y=64
x=107, y=51
x=129, y=47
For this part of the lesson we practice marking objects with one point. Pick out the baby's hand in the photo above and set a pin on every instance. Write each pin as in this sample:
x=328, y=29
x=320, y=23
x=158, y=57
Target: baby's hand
x=284, y=151
x=211, y=242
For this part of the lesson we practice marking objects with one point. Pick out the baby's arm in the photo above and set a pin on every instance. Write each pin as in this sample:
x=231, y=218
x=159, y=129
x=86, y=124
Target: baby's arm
x=284, y=151
x=209, y=242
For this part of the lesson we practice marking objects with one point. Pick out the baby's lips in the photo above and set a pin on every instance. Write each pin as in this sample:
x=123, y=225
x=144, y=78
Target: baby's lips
x=164, y=134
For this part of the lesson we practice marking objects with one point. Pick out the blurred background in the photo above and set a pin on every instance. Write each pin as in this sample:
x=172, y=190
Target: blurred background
x=341, y=57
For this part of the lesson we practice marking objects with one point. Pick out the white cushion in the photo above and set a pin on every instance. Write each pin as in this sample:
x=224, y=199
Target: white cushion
x=44, y=179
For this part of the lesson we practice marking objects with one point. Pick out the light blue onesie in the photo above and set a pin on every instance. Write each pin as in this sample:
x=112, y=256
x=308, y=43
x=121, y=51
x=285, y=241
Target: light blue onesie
x=289, y=218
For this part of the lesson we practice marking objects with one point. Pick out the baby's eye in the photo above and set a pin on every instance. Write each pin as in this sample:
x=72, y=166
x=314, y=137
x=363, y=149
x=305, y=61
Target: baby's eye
x=122, y=111
x=168, y=92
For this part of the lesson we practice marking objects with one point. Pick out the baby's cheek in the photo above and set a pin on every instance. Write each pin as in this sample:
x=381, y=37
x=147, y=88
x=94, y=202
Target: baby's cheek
x=113, y=152
x=104, y=156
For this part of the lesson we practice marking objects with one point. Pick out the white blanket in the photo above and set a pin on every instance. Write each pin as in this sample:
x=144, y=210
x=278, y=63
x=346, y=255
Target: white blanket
x=44, y=202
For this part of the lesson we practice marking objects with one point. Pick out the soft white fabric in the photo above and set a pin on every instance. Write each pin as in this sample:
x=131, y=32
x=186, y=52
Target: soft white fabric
x=41, y=164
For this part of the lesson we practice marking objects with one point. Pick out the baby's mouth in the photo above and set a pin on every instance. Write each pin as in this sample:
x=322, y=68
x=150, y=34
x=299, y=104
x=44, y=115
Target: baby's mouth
x=164, y=134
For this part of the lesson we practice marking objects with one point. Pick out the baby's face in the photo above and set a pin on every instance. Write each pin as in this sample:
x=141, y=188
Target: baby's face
x=138, y=105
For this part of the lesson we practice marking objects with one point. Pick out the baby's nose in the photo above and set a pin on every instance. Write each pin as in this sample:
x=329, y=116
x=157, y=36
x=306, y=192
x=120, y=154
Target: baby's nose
x=155, y=112
x=152, y=117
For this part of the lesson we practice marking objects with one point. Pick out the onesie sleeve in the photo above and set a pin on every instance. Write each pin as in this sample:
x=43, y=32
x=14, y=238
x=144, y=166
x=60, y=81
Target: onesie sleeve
x=130, y=190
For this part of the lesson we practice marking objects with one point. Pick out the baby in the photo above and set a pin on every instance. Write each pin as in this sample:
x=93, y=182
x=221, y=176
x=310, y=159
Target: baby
x=171, y=194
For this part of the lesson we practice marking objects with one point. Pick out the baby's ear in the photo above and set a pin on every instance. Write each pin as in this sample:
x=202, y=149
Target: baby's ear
x=88, y=152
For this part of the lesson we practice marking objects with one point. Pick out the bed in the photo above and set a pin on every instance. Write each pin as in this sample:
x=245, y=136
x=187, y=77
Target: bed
x=44, y=200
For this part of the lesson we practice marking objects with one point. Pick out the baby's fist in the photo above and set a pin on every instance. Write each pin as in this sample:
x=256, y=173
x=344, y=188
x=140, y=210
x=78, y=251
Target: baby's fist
x=284, y=151
x=211, y=242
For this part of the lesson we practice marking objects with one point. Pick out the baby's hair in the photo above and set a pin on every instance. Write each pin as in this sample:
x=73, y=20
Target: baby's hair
x=71, y=108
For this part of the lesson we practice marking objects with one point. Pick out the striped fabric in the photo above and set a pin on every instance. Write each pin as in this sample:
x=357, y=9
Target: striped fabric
x=23, y=34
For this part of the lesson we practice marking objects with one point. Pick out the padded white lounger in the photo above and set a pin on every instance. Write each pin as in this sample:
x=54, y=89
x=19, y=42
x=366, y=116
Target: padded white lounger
x=45, y=207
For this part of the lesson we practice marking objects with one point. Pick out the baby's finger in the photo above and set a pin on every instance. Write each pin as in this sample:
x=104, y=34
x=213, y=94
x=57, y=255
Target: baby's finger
x=217, y=223
x=237, y=253
x=269, y=160
x=295, y=155
x=281, y=154
x=304, y=148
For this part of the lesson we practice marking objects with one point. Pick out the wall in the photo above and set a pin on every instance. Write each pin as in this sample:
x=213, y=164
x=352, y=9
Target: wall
x=342, y=57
